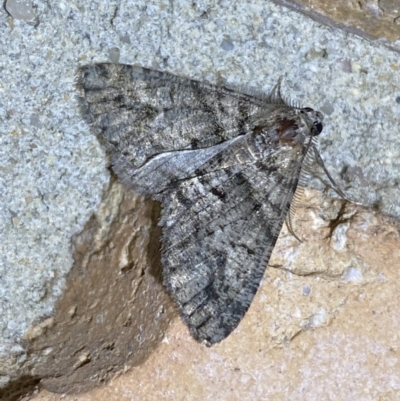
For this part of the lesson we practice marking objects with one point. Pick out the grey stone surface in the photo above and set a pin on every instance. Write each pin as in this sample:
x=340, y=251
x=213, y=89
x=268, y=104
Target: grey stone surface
x=52, y=170
x=20, y=9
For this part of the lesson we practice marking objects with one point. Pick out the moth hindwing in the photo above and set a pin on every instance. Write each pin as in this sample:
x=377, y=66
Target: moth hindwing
x=225, y=166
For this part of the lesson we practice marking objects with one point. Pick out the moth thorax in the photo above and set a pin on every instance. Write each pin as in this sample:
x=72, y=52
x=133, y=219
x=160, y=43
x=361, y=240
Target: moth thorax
x=291, y=132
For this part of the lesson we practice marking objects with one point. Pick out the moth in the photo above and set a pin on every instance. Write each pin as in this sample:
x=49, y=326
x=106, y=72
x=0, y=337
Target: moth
x=225, y=166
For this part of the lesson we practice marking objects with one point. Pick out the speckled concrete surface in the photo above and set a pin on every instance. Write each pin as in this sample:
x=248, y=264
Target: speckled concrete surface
x=53, y=170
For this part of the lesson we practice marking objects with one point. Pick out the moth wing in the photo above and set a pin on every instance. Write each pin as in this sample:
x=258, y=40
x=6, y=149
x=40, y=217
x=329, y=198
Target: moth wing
x=173, y=138
x=140, y=113
x=167, y=170
x=219, y=230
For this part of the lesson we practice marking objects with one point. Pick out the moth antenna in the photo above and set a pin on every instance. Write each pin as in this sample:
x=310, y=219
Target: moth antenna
x=275, y=95
x=276, y=90
x=292, y=211
x=303, y=178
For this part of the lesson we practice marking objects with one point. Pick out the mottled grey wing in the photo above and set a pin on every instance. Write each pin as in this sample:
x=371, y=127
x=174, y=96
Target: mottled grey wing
x=188, y=144
x=140, y=113
x=219, y=229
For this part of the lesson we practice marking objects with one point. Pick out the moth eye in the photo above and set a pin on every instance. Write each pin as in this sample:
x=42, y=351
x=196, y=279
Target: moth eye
x=318, y=126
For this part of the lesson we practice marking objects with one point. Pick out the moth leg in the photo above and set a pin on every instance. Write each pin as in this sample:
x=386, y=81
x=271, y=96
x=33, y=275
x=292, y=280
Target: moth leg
x=320, y=163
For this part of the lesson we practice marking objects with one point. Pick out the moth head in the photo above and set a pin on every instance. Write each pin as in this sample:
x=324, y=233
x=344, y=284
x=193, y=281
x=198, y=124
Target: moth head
x=313, y=119
x=294, y=130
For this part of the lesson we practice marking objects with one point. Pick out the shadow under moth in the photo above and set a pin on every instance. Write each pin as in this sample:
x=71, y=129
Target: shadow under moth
x=225, y=166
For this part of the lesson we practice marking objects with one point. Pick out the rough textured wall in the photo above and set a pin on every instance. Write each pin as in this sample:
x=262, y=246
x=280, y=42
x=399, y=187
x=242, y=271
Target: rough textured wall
x=54, y=176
